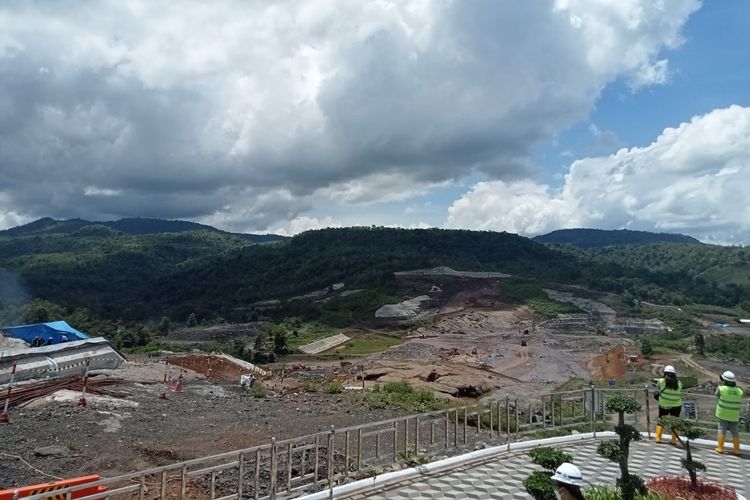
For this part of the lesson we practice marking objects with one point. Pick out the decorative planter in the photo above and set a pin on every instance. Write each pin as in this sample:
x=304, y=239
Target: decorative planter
x=679, y=487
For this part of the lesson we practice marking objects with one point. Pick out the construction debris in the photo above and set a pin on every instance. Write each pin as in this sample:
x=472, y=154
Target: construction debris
x=24, y=394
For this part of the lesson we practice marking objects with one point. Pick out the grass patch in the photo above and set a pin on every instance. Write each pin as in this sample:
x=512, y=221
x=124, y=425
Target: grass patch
x=259, y=390
x=367, y=345
x=402, y=395
x=532, y=294
x=307, y=334
x=335, y=387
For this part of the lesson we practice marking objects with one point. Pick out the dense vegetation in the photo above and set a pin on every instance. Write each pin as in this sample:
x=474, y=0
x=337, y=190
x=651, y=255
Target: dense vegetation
x=670, y=273
x=114, y=275
x=588, y=238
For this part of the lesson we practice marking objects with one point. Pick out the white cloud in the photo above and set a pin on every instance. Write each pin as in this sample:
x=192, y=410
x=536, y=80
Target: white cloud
x=692, y=179
x=196, y=110
x=305, y=223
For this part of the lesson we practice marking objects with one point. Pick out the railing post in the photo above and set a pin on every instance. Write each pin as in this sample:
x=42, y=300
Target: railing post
x=142, y=489
x=466, y=416
x=515, y=403
x=346, y=454
x=183, y=481
x=648, y=411
x=163, y=489
x=507, y=417
x=359, y=449
x=499, y=420
x=330, y=466
x=289, y=468
x=447, y=421
x=593, y=411
x=406, y=438
x=455, y=428
x=256, y=479
x=491, y=421
x=241, y=474
x=544, y=412
x=395, y=441
x=479, y=419
x=552, y=409
x=274, y=466
x=316, y=468
x=416, y=436
x=432, y=433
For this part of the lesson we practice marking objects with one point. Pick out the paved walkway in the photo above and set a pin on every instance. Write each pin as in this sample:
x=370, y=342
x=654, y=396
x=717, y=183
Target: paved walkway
x=501, y=476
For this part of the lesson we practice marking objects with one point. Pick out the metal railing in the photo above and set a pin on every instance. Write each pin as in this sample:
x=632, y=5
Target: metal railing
x=290, y=467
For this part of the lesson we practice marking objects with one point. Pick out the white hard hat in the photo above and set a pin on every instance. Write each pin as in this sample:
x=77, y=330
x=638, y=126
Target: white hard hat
x=569, y=474
x=669, y=369
x=728, y=376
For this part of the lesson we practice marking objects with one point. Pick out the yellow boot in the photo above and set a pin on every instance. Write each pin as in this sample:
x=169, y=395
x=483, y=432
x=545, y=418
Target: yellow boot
x=720, y=444
x=736, y=445
x=659, y=430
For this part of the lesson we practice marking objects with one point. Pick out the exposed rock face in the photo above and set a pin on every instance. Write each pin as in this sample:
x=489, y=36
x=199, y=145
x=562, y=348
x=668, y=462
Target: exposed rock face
x=406, y=310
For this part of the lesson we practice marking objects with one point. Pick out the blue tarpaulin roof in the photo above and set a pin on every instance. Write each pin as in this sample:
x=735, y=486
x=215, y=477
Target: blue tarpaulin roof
x=54, y=332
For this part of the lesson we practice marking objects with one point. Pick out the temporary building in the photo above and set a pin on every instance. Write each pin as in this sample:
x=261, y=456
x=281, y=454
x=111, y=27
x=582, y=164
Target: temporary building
x=55, y=332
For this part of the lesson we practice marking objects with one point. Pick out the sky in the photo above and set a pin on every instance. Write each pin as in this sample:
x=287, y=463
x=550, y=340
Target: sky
x=285, y=116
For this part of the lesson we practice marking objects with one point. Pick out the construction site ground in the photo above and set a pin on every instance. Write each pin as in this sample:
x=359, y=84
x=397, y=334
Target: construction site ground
x=463, y=352
x=111, y=436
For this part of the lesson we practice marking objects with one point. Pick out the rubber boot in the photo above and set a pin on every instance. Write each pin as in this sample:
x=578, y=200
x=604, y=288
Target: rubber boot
x=659, y=430
x=720, y=444
x=736, y=445
x=674, y=438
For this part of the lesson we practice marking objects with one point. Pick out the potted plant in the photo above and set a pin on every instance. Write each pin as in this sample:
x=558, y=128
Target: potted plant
x=619, y=451
x=689, y=488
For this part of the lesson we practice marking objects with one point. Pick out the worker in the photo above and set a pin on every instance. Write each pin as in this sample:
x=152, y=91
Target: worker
x=670, y=400
x=728, y=407
x=567, y=482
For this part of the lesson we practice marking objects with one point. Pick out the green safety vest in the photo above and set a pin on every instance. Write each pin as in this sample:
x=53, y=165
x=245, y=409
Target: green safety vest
x=670, y=398
x=730, y=403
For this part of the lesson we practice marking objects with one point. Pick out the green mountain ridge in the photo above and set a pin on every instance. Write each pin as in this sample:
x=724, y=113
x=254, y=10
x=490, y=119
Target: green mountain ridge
x=131, y=226
x=140, y=277
x=589, y=238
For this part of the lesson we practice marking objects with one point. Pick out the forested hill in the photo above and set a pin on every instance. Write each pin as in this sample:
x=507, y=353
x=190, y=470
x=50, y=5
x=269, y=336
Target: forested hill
x=146, y=276
x=120, y=276
x=132, y=226
x=589, y=238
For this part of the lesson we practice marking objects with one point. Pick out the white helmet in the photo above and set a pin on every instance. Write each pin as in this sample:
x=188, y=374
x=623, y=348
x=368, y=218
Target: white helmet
x=669, y=369
x=569, y=474
x=728, y=376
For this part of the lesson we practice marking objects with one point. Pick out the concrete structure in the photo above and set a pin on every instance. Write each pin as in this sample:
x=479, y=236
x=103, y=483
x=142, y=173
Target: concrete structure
x=324, y=344
x=57, y=360
x=403, y=311
x=498, y=473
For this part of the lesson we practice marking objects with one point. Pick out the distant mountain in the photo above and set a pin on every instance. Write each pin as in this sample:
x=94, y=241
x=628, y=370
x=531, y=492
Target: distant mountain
x=132, y=226
x=589, y=238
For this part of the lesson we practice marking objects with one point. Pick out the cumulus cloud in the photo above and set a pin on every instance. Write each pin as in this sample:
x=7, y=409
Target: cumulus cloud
x=250, y=112
x=691, y=179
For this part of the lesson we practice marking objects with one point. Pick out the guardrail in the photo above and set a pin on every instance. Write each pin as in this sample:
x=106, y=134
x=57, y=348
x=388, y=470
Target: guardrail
x=289, y=467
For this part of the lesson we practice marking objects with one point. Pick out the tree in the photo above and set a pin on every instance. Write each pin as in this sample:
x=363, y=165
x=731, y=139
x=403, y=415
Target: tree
x=700, y=343
x=619, y=451
x=280, y=345
x=647, y=348
x=688, y=430
x=164, y=326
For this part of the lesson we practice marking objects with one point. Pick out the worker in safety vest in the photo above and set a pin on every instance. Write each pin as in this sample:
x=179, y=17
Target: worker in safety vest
x=670, y=399
x=728, y=408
